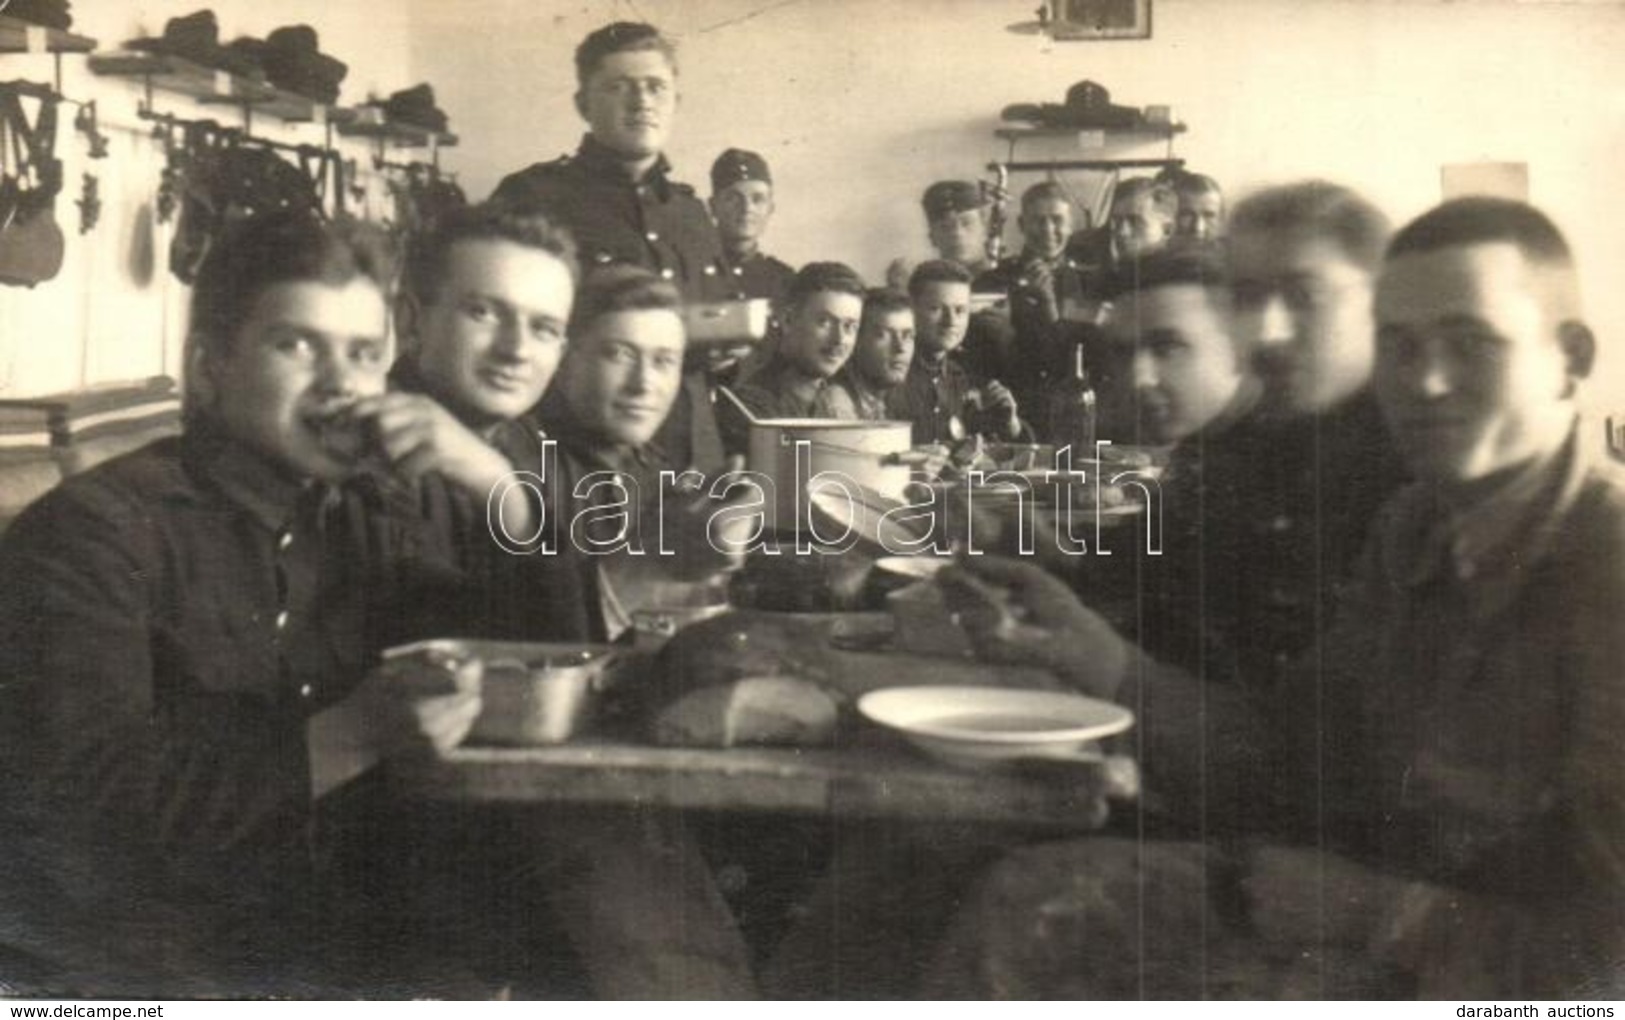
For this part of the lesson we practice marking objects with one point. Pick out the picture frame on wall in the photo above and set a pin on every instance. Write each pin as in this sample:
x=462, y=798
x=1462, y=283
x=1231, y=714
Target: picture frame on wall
x=1100, y=19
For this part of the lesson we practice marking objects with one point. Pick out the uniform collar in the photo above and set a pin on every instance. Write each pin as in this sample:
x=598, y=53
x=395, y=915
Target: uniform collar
x=931, y=367
x=860, y=387
x=246, y=477
x=606, y=164
x=562, y=427
x=778, y=376
x=1497, y=534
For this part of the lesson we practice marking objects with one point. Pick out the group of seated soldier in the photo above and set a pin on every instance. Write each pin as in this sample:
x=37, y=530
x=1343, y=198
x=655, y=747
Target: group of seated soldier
x=1377, y=684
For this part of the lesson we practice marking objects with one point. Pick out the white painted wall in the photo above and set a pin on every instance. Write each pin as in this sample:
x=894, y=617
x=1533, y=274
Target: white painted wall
x=98, y=320
x=860, y=103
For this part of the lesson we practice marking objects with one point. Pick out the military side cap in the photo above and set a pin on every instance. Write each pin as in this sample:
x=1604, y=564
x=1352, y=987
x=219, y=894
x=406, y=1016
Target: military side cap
x=737, y=165
x=946, y=197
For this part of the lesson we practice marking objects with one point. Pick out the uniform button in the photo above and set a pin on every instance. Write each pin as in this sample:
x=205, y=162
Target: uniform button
x=739, y=270
x=282, y=620
x=667, y=274
x=285, y=541
x=305, y=690
x=651, y=237
x=1281, y=523
x=710, y=270
x=603, y=258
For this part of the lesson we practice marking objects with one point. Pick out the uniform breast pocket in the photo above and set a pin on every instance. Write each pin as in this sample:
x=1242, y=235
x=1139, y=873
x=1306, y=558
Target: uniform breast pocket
x=209, y=654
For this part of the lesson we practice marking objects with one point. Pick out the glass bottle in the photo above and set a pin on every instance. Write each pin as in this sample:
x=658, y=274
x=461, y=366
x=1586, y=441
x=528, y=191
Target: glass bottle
x=1072, y=411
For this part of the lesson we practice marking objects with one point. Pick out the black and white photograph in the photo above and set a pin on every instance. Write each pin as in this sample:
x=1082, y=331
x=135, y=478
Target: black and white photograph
x=511, y=500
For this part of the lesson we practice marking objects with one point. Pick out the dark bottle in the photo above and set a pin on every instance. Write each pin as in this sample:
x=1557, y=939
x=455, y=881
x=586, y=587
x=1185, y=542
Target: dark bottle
x=1072, y=411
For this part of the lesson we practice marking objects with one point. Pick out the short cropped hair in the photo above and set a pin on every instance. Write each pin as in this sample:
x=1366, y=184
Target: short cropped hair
x=1171, y=268
x=878, y=301
x=1135, y=188
x=620, y=37
x=936, y=271
x=276, y=248
x=1482, y=220
x=816, y=277
x=621, y=288
x=490, y=221
x=1190, y=184
x=1043, y=191
x=1320, y=209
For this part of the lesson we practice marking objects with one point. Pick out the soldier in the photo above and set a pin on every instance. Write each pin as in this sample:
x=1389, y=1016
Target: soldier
x=617, y=197
x=1043, y=282
x=880, y=359
x=1141, y=221
x=1201, y=208
x=956, y=216
x=821, y=313
x=742, y=202
x=944, y=399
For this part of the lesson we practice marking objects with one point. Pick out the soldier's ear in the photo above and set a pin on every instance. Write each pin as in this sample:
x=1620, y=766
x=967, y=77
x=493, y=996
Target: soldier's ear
x=408, y=320
x=1579, y=346
x=581, y=104
x=201, y=389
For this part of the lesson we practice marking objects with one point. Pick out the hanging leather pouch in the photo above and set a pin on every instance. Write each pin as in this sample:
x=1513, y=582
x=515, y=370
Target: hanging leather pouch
x=31, y=242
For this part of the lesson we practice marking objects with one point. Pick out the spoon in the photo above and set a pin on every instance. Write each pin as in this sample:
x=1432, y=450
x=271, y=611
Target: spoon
x=736, y=402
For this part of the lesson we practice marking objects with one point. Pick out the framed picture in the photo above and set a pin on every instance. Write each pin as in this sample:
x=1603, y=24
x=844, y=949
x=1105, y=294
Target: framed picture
x=1100, y=19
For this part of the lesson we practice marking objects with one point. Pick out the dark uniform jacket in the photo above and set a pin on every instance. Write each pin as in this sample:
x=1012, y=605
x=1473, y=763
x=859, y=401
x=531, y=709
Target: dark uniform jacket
x=936, y=394
x=1457, y=728
x=757, y=276
x=656, y=223
x=171, y=621
x=1039, y=353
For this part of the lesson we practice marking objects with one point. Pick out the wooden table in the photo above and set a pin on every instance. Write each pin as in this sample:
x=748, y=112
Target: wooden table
x=871, y=774
x=870, y=780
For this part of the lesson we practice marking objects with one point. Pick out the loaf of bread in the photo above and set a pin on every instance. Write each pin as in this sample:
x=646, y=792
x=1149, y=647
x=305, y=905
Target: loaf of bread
x=761, y=710
x=745, y=678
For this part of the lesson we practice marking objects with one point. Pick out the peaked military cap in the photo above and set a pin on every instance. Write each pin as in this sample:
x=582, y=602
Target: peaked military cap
x=946, y=197
x=736, y=165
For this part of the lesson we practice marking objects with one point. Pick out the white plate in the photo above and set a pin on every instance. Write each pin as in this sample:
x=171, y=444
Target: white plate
x=920, y=568
x=985, y=725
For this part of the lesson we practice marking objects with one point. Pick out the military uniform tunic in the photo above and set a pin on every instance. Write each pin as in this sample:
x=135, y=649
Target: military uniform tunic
x=657, y=223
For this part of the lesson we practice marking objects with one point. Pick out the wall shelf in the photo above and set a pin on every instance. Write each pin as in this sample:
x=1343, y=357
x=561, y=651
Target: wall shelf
x=1148, y=132
x=15, y=38
x=354, y=124
x=211, y=86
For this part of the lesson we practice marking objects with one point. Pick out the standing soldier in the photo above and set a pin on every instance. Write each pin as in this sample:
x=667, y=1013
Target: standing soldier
x=742, y=202
x=617, y=197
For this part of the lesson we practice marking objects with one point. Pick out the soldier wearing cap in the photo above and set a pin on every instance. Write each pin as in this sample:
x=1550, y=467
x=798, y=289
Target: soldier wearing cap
x=617, y=197
x=957, y=222
x=956, y=217
x=742, y=202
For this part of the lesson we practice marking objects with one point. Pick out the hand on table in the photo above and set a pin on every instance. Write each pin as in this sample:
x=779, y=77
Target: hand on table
x=998, y=400
x=1299, y=894
x=420, y=702
x=1016, y=613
